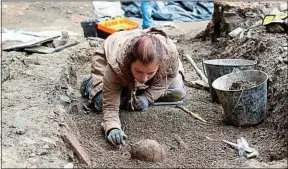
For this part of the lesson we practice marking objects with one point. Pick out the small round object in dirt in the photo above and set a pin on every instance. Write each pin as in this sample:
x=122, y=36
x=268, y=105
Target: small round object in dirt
x=148, y=150
x=20, y=131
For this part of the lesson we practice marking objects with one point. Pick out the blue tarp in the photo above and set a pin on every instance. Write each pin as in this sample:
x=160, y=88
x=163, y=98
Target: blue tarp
x=186, y=11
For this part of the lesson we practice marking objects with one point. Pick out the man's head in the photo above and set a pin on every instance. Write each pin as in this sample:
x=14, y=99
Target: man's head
x=147, y=54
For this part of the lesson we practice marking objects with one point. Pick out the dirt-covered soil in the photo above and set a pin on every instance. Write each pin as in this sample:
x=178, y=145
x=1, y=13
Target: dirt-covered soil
x=34, y=87
x=240, y=85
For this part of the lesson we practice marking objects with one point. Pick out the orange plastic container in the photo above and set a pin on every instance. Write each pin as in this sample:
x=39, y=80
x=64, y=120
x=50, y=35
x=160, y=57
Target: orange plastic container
x=118, y=24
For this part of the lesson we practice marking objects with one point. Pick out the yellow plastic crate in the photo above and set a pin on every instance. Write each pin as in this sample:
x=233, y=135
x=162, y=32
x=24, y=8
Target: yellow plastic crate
x=118, y=24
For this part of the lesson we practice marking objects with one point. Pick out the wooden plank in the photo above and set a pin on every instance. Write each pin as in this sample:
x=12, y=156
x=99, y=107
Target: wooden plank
x=31, y=43
x=40, y=49
x=72, y=140
x=47, y=50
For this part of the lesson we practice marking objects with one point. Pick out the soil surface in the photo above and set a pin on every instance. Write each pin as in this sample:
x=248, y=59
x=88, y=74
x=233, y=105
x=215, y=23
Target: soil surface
x=242, y=85
x=41, y=92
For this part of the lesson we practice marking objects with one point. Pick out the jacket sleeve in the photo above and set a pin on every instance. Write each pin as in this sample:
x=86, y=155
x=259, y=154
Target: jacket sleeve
x=98, y=65
x=111, y=100
x=158, y=87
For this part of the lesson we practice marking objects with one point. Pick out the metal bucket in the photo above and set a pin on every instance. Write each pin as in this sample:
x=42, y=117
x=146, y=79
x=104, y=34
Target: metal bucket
x=219, y=67
x=246, y=106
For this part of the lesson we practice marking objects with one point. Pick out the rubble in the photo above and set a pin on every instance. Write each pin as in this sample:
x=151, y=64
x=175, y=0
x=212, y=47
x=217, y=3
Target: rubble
x=20, y=131
x=69, y=165
x=64, y=99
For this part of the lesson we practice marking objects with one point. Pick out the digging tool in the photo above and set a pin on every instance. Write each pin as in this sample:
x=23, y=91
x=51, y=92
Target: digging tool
x=198, y=71
x=166, y=103
x=243, y=148
x=198, y=84
x=194, y=115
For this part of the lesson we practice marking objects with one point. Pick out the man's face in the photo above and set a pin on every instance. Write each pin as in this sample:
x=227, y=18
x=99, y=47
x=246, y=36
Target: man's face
x=144, y=72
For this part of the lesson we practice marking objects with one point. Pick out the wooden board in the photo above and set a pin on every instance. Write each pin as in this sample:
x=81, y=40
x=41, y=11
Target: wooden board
x=47, y=50
x=32, y=43
x=40, y=49
x=72, y=140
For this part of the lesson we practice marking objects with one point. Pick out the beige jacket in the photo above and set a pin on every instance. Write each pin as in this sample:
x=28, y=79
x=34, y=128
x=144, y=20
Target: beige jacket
x=111, y=71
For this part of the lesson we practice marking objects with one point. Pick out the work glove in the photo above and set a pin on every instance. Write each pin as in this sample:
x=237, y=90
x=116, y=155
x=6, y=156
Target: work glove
x=141, y=103
x=117, y=137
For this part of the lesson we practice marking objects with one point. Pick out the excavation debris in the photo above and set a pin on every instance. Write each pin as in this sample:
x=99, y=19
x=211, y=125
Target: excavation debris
x=242, y=85
x=243, y=148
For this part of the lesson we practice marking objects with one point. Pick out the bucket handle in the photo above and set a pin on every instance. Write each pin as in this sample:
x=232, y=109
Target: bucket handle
x=238, y=100
x=204, y=70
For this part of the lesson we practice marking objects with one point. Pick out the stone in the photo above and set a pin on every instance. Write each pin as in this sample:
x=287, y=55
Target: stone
x=20, y=131
x=148, y=150
x=236, y=32
x=64, y=99
x=46, y=146
x=32, y=155
x=249, y=35
x=285, y=60
x=30, y=60
x=49, y=140
x=42, y=152
x=69, y=165
x=94, y=44
x=27, y=97
x=70, y=91
x=283, y=6
x=275, y=11
x=74, y=109
x=29, y=72
x=12, y=126
x=59, y=110
x=280, y=59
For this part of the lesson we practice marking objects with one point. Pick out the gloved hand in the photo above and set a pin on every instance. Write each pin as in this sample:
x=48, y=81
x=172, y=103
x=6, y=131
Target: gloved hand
x=141, y=103
x=117, y=137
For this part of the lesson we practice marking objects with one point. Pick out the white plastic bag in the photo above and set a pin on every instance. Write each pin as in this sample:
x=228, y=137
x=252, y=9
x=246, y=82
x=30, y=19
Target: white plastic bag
x=107, y=9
